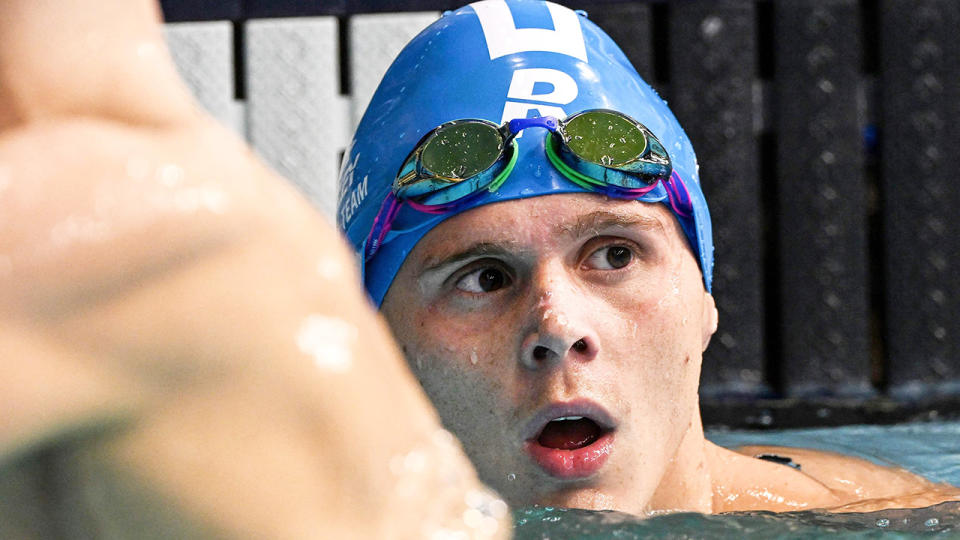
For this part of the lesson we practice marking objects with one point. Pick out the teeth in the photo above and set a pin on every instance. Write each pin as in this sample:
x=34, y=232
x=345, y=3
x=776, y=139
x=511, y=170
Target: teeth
x=562, y=418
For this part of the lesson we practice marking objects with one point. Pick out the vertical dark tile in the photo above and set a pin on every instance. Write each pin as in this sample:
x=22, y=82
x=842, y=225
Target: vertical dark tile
x=200, y=10
x=253, y=9
x=919, y=77
x=712, y=66
x=822, y=214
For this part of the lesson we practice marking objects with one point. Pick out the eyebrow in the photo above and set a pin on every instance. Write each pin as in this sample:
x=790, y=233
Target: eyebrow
x=480, y=249
x=599, y=220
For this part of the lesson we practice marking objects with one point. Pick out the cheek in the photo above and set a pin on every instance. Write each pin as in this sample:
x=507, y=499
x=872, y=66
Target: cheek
x=456, y=369
x=657, y=330
x=469, y=395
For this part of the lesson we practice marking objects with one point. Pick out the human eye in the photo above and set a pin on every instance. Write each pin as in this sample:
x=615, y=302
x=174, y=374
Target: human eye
x=610, y=257
x=484, y=279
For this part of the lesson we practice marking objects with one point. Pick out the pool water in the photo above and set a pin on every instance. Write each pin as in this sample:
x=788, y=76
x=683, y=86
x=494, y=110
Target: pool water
x=931, y=450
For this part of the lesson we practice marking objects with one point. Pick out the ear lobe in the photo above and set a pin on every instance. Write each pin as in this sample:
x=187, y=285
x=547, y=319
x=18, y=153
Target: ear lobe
x=710, y=317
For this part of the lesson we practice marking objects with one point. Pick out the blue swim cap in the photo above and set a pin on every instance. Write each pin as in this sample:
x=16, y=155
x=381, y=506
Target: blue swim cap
x=499, y=60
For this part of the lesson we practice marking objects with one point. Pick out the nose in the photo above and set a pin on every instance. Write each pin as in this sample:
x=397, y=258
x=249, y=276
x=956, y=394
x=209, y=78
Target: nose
x=561, y=328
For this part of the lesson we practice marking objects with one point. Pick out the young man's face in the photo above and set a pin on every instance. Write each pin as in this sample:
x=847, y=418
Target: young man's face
x=513, y=315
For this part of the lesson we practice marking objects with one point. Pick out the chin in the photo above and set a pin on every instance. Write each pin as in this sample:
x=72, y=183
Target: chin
x=587, y=498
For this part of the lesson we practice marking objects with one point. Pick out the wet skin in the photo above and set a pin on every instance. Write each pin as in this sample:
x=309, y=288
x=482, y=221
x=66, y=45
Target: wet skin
x=185, y=347
x=510, y=308
x=519, y=312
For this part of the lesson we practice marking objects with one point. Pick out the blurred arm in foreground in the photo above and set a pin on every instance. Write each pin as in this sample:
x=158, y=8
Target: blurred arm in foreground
x=185, y=350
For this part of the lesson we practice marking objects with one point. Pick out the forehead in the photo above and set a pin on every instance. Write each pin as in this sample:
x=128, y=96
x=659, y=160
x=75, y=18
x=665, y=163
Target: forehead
x=531, y=221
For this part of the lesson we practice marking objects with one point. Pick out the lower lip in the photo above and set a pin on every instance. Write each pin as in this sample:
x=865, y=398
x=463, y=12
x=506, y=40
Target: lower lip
x=572, y=464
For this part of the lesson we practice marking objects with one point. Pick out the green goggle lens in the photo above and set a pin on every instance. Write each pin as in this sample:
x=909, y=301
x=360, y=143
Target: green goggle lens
x=604, y=138
x=462, y=150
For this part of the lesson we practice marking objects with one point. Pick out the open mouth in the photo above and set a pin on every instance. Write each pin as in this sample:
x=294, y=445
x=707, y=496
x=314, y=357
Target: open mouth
x=570, y=433
x=571, y=444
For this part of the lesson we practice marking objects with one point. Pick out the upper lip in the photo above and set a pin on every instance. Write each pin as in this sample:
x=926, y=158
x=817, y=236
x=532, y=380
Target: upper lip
x=578, y=407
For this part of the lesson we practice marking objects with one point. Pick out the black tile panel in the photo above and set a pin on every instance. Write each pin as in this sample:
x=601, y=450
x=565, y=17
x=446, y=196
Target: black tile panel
x=201, y=10
x=712, y=65
x=821, y=197
x=919, y=84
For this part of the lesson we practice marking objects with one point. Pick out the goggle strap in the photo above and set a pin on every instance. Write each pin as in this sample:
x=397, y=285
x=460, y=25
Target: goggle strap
x=678, y=197
x=432, y=209
x=381, y=224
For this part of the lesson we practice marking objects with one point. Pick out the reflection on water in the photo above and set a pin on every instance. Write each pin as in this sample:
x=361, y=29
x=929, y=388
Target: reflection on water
x=564, y=523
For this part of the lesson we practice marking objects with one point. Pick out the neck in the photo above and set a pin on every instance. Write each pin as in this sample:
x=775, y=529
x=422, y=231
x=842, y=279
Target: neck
x=687, y=484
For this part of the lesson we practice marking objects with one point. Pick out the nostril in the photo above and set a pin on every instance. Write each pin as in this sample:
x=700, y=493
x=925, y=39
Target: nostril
x=580, y=346
x=540, y=352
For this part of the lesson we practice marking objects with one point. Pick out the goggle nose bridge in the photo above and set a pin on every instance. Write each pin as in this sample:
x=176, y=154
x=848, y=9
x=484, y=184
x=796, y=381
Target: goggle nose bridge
x=519, y=124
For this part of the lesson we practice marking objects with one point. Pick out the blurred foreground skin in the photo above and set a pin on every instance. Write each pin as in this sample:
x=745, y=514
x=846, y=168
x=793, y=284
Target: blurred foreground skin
x=185, y=350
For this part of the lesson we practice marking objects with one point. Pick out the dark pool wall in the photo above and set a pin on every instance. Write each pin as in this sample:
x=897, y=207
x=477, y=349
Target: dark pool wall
x=827, y=132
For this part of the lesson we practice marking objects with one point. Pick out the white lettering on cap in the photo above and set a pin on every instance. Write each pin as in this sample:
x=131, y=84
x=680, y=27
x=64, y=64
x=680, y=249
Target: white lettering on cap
x=503, y=37
x=522, y=84
x=564, y=90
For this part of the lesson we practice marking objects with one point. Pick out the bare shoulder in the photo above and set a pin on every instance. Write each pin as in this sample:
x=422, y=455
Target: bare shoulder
x=172, y=293
x=856, y=484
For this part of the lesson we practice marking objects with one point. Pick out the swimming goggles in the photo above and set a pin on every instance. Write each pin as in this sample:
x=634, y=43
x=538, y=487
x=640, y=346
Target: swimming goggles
x=600, y=150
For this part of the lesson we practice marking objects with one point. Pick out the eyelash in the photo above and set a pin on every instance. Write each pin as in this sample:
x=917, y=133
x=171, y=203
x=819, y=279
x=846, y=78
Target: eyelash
x=473, y=267
x=598, y=244
x=594, y=246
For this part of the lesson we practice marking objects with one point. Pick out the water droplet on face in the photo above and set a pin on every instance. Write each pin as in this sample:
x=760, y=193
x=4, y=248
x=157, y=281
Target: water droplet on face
x=473, y=357
x=883, y=522
x=511, y=477
x=932, y=522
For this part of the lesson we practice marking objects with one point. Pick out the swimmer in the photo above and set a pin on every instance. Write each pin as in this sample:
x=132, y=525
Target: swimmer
x=186, y=351
x=557, y=323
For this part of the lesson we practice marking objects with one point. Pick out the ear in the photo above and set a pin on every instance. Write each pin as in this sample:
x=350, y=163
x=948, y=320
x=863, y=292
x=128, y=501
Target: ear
x=709, y=318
